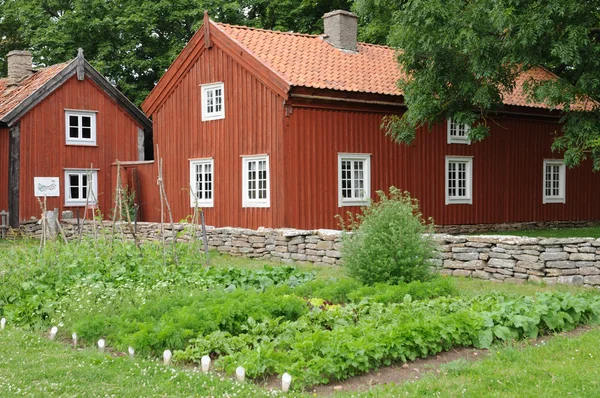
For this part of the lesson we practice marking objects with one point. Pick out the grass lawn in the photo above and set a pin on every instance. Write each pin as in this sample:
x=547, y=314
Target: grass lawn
x=591, y=232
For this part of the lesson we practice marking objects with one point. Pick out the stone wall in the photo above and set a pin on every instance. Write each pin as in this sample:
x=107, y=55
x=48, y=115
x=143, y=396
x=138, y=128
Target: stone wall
x=518, y=259
x=516, y=226
x=316, y=246
x=496, y=258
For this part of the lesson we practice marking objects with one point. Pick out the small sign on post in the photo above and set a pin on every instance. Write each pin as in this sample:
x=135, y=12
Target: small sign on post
x=46, y=186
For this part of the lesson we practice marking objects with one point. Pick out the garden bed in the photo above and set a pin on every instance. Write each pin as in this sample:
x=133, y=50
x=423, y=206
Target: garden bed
x=319, y=327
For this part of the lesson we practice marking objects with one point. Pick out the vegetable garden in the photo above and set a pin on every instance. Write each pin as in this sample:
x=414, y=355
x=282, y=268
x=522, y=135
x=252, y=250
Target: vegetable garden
x=317, y=326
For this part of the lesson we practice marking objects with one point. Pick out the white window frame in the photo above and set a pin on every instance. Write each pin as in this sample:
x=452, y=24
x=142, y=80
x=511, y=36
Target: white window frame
x=468, y=198
x=205, y=88
x=364, y=200
x=246, y=200
x=80, y=202
x=202, y=202
x=455, y=139
x=561, y=197
x=79, y=140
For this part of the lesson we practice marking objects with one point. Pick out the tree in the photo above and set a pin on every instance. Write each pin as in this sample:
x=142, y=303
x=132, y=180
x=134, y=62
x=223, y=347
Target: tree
x=133, y=42
x=461, y=56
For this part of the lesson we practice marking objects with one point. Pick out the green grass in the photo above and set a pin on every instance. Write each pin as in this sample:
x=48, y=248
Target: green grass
x=33, y=366
x=559, y=367
x=592, y=232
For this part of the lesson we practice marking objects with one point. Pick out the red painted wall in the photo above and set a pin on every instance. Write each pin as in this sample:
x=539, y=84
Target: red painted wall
x=253, y=124
x=43, y=149
x=4, y=155
x=507, y=170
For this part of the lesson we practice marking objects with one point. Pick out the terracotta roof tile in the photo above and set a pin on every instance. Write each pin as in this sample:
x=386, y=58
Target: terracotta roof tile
x=11, y=97
x=309, y=61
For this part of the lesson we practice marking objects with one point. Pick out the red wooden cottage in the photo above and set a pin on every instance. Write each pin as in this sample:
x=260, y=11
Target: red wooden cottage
x=56, y=124
x=283, y=130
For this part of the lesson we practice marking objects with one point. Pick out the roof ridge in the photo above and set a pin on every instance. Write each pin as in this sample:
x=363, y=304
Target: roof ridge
x=297, y=34
x=267, y=30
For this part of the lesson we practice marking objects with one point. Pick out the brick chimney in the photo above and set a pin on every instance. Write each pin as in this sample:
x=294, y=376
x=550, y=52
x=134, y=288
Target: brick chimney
x=20, y=66
x=341, y=29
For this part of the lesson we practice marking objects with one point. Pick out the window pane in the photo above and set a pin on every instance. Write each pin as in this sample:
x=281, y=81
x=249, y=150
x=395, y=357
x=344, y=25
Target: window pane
x=86, y=121
x=73, y=120
x=86, y=133
x=74, y=186
x=84, y=186
x=73, y=132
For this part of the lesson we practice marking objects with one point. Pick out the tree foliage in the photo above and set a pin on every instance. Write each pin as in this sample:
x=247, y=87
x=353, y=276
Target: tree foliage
x=133, y=42
x=462, y=56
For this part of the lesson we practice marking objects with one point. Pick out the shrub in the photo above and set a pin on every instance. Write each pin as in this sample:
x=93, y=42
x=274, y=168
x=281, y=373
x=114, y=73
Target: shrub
x=388, y=241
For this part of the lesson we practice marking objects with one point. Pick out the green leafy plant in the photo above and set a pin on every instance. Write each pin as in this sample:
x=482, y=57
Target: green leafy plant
x=389, y=241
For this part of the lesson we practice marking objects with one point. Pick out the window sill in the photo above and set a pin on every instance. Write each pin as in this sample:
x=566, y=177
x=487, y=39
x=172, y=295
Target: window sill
x=554, y=201
x=256, y=204
x=459, y=202
x=355, y=203
x=78, y=204
x=90, y=144
x=214, y=117
x=201, y=205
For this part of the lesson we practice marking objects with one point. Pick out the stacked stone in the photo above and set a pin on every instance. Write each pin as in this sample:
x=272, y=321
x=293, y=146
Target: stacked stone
x=518, y=259
x=478, y=228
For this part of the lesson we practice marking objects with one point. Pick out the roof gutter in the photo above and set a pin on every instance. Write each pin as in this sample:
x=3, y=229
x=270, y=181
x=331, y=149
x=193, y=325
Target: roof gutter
x=351, y=100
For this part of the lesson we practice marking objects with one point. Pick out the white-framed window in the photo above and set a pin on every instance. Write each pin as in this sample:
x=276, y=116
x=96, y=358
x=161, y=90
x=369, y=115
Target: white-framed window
x=80, y=127
x=554, y=181
x=202, y=182
x=459, y=180
x=213, y=101
x=354, y=179
x=458, y=133
x=78, y=187
x=255, y=181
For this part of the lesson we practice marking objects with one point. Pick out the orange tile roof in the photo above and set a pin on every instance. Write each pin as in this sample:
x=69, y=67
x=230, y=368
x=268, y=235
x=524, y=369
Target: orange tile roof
x=309, y=61
x=10, y=97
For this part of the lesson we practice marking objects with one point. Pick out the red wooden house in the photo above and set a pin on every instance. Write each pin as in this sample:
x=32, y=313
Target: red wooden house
x=283, y=130
x=61, y=128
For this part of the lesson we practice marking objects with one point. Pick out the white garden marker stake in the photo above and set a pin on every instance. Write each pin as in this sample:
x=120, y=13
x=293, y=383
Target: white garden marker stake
x=53, y=332
x=167, y=355
x=101, y=344
x=240, y=373
x=131, y=352
x=74, y=335
x=205, y=363
x=286, y=380
x=2, y=323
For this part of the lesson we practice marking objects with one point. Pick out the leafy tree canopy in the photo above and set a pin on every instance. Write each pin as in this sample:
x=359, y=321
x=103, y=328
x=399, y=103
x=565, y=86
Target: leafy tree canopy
x=462, y=55
x=133, y=42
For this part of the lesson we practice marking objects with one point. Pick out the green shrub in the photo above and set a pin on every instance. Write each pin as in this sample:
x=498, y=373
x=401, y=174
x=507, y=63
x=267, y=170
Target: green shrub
x=388, y=241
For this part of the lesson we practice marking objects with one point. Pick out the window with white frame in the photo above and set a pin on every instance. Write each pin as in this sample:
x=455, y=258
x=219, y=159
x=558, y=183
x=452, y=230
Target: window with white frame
x=255, y=181
x=459, y=180
x=554, y=181
x=213, y=101
x=202, y=183
x=458, y=133
x=80, y=127
x=354, y=179
x=80, y=186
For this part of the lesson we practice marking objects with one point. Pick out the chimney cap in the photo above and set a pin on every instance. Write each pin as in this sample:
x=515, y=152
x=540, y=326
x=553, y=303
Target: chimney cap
x=18, y=52
x=343, y=12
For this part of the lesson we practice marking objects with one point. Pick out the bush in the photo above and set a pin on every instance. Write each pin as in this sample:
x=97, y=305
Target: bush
x=388, y=241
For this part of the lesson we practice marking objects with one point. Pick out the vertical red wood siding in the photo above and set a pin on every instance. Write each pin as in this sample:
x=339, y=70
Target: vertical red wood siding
x=253, y=125
x=4, y=155
x=507, y=170
x=45, y=154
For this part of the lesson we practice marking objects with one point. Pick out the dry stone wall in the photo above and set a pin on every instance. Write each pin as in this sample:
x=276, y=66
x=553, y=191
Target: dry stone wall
x=518, y=259
x=496, y=258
